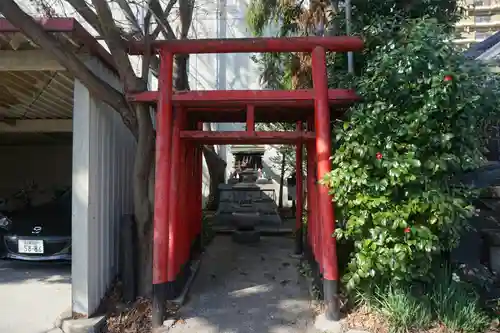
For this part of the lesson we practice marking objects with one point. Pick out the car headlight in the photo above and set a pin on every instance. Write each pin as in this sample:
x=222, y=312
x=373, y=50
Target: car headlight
x=5, y=222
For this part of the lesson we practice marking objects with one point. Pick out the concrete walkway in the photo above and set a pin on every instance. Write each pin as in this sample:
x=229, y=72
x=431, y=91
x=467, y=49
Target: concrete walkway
x=246, y=289
x=32, y=295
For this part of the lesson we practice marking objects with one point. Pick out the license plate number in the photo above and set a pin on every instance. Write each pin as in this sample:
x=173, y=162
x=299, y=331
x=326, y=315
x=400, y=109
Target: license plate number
x=30, y=246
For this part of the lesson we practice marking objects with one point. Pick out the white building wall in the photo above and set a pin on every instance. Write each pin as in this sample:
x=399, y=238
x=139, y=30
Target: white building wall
x=103, y=155
x=222, y=19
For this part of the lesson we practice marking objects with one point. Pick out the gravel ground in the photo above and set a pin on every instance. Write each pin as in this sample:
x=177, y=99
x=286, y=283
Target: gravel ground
x=246, y=289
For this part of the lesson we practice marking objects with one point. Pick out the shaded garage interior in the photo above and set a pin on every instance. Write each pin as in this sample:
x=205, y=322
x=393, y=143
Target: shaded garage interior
x=35, y=136
x=35, y=162
x=55, y=134
x=36, y=110
x=36, y=107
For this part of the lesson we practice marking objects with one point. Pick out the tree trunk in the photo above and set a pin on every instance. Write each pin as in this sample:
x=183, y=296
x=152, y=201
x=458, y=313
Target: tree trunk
x=282, y=180
x=216, y=169
x=144, y=158
x=331, y=11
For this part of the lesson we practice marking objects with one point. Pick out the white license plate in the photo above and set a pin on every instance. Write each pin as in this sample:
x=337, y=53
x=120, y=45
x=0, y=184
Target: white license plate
x=30, y=246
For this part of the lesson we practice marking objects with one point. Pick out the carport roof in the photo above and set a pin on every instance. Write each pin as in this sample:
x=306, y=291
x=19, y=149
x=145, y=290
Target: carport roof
x=66, y=30
x=29, y=90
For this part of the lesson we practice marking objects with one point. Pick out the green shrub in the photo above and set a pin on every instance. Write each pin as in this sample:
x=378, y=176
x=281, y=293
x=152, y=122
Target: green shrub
x=449, y=303
x=421, y=122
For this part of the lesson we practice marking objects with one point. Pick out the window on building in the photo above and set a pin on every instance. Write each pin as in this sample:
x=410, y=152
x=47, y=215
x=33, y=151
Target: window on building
x=482, y=2
x=482, y=35
x=482, y=18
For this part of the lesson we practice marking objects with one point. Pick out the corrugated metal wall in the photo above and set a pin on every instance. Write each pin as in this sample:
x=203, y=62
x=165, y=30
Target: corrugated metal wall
x=103, y=156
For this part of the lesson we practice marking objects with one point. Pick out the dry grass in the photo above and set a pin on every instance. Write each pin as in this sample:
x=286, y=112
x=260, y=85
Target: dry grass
x=135, y=319
x=362, y=318
x=128, y=318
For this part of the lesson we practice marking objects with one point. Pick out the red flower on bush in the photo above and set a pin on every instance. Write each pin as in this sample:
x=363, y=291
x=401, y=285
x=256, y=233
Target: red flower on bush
x=448, y=78
x=379, y=156
x=407, y=230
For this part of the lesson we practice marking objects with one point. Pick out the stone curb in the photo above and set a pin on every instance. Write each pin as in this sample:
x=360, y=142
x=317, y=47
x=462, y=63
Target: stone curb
x=65, y=315
x=65, y=324
x=195, y=266
x=85, y=325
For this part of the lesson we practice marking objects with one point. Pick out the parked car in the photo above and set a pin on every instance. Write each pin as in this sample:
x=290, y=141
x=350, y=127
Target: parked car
x=38, y=233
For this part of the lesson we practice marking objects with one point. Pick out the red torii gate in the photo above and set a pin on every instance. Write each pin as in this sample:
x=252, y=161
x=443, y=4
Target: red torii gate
x=180, y=115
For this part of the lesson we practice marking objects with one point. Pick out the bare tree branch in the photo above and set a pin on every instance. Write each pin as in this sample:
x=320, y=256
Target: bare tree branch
x=70, y=61
x=130, y=15
x=91, y=17
x=117, y=47
x=151, y=60
x=161, y=18
x=146, y=58
x=186, y=15
x=166, y=12
x=147, y=20
x=87, y=13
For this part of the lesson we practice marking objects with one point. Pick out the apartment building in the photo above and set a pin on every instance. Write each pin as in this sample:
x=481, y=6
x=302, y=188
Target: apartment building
x=482, y=19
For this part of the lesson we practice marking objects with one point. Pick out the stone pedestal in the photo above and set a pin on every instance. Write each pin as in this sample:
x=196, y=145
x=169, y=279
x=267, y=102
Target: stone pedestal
x=245, y=223
x=245, y=220
x=246, y=236
x=495, y=259
x=494, y=237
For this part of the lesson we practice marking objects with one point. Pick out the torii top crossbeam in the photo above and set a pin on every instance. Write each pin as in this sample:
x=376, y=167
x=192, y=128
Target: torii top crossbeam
x=231, y=106
x=251, y=45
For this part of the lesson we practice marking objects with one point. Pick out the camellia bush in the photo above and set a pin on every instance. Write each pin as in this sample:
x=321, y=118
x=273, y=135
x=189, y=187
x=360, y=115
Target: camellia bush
x=420, y=125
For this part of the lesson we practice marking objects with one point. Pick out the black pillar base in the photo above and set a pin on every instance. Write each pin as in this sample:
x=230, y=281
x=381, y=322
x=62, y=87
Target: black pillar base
x=158, y=311
x=183, y=277
x=308, y=253
x=298, y=241
x=170, y=290
x=174, y=288
x=331, y=299
x=197, y=247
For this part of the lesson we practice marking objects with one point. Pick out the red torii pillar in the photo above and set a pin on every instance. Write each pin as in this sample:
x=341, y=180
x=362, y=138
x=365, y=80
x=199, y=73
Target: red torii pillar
x=325, y=215
x=299, y=237
x=174, y=211
x=162, y=188
x=311, y=200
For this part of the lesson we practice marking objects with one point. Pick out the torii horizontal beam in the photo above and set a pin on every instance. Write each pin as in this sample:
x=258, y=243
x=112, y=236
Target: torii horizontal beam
x=240, y=98
x=246, y=137
x=251, y=45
